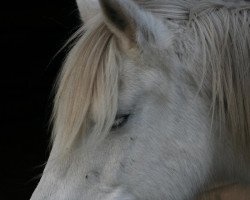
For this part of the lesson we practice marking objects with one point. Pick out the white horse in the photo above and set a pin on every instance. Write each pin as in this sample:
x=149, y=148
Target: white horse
x=153, y=102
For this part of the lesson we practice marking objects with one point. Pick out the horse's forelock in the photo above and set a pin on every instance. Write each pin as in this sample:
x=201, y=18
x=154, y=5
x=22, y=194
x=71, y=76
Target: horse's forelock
x=87, y=84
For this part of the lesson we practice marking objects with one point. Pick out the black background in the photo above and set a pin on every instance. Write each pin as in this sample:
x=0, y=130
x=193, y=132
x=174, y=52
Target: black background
x=31, y=34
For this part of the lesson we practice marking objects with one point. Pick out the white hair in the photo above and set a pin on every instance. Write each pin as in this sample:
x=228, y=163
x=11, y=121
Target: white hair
x=87, y=86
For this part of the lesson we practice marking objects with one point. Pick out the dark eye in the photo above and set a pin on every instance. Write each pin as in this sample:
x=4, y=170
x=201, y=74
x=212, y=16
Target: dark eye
x=120, y=120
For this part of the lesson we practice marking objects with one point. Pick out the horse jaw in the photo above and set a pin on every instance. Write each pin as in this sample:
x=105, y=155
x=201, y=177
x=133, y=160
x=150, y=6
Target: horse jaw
x=88, y=9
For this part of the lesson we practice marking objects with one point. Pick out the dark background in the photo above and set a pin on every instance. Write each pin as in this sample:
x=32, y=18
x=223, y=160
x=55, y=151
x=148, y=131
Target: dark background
x=32, y=32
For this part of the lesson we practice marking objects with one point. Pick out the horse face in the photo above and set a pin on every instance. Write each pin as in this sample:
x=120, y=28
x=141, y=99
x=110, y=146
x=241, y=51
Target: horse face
x=157, y=141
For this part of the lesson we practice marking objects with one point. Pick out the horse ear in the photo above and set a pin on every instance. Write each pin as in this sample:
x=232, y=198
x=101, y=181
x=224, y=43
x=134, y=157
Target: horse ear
x=88, y=9
x=127, y=20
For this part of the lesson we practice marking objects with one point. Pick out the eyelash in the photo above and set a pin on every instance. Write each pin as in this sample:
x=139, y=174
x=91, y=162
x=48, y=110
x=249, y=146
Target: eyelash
x=120, y=121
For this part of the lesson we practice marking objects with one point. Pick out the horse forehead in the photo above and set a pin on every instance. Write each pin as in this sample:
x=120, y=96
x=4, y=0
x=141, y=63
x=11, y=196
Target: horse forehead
x=136, y=79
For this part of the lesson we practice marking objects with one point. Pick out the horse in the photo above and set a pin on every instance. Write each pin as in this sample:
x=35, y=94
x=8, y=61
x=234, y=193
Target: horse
x=152, y=102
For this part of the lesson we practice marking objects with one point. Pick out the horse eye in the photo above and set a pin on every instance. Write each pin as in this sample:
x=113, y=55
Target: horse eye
x=120, y=120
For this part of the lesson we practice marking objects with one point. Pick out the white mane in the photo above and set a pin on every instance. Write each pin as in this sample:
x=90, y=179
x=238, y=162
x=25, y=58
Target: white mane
x=88, y=84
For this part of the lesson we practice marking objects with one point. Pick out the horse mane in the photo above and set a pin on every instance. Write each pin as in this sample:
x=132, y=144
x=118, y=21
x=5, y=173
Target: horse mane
x=88, y=83
x=87, y=88
x=223, y=32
